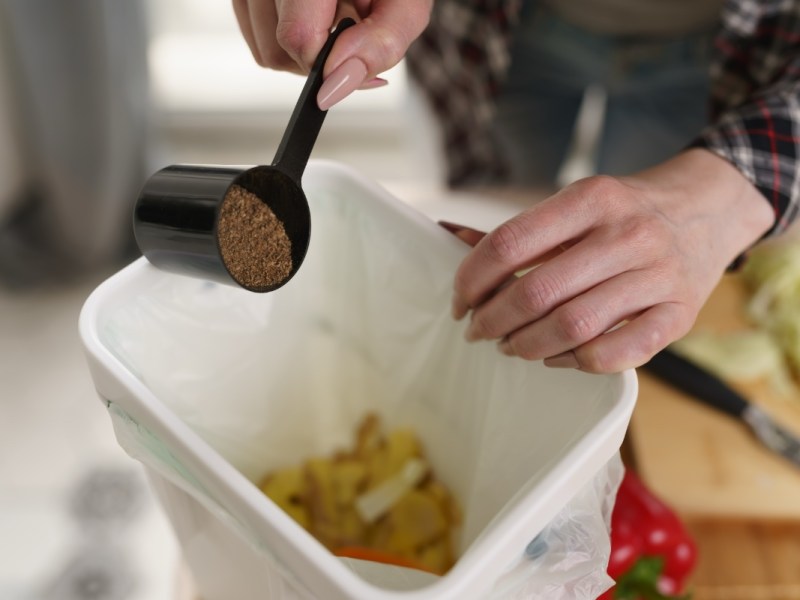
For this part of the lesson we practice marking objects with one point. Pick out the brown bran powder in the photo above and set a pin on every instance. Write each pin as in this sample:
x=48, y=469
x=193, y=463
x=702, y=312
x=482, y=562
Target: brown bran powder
x=252, y=240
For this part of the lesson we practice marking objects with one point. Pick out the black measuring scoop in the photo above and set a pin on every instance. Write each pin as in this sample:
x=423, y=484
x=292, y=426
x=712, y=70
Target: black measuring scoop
x=241, y=226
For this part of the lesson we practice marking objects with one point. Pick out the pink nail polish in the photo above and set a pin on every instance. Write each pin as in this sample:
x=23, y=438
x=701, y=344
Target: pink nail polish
x=345, y=79
x=373, y=83
x=451, y=227
x=565, y=360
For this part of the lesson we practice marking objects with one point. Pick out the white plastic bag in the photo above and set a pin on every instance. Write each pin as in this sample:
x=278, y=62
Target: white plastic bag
x=268, y=380
x=564, y=561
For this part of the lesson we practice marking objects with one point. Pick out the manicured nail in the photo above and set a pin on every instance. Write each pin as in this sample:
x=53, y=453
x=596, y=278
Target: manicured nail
x=373, y=83
x=565, y=360
x=459, y=308
x=451, y=227
x=345, y=79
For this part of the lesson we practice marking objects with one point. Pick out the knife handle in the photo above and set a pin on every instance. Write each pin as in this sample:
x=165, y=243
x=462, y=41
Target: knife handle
x=696, y=381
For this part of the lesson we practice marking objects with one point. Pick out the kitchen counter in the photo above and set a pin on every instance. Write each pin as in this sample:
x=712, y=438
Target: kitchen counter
x=740, y=501
x=747, y=560
x=742, y=558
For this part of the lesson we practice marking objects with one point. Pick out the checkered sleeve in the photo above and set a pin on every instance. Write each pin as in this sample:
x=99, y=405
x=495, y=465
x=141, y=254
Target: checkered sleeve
x=756, y=100
x=459, y=62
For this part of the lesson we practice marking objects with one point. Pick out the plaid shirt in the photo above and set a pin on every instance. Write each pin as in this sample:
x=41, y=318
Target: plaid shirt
x=461, y=59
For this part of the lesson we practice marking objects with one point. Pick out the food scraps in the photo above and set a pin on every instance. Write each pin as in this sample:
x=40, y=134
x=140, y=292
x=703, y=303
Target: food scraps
x=379, y=498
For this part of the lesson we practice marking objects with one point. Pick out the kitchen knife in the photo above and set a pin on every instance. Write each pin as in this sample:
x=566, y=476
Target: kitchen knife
x=703, y=385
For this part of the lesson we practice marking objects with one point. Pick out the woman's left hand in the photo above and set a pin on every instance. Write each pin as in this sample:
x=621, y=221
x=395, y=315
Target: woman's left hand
x=623, y=265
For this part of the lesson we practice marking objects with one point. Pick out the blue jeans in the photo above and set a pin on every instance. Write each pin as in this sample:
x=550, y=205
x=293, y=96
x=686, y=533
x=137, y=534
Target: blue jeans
x=657, y=96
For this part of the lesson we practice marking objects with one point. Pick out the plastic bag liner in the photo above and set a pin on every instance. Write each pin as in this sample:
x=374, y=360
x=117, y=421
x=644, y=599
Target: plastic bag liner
x=266, y=381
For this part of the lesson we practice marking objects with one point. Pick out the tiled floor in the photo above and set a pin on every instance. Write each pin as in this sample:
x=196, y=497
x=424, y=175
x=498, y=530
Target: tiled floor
x=76, y=519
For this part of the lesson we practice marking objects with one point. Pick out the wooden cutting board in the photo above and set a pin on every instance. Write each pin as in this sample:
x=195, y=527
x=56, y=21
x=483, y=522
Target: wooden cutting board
x=704, y=463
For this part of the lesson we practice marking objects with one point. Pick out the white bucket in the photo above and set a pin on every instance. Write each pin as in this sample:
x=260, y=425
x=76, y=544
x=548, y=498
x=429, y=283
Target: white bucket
x=211, y=387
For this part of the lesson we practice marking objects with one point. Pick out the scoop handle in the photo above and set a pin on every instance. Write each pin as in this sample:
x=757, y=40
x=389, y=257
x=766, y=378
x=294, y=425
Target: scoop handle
x=306, y=120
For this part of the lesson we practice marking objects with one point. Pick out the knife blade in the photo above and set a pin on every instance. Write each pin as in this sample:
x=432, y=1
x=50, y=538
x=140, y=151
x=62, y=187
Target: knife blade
x=699, y=383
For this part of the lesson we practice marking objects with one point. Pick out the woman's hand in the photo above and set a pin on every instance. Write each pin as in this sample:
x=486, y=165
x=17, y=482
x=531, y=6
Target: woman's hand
x=624, y=264
x=287, y=35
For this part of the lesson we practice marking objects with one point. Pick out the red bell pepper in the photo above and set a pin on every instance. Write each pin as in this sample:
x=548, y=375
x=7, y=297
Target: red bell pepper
x=652, y=554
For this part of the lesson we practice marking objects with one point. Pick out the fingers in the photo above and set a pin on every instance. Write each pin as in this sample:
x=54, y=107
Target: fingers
x=649, y=247
x=355, y=11
x=266, y=47
x=619, y=259
x=470, y=237
x=384, y=34
x=636, y=342
x=625, y=347
x=302, y=27
x=373, y=46
x=287, y=35
x=517, y=244
x=555, y=282
x=242, y=12
x=586, y=317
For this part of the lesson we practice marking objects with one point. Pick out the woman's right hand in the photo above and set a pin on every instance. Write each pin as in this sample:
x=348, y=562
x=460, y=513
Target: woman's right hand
x=287, y=35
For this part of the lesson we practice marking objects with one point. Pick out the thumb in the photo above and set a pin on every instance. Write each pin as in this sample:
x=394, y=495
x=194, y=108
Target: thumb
x=375, y=44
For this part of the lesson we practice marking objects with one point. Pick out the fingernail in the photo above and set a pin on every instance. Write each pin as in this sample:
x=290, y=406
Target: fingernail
x=373, y=83
x=459, y=307
x=505, y=347
x=345, y=79
x=471, y=335
x=454, y=228
x=565, y=360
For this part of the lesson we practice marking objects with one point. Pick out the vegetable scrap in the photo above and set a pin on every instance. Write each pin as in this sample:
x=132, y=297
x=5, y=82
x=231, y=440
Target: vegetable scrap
x=652, y=554
x=772, y=272
x=378, y=501
x=742, y=356
x=770, y=349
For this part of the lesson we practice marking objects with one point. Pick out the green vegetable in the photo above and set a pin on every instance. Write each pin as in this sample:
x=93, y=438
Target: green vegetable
x=741, y=356
x=773, y=274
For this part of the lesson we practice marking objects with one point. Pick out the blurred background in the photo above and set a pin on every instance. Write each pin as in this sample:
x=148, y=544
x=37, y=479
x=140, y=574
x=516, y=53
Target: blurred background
x=94, y=96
